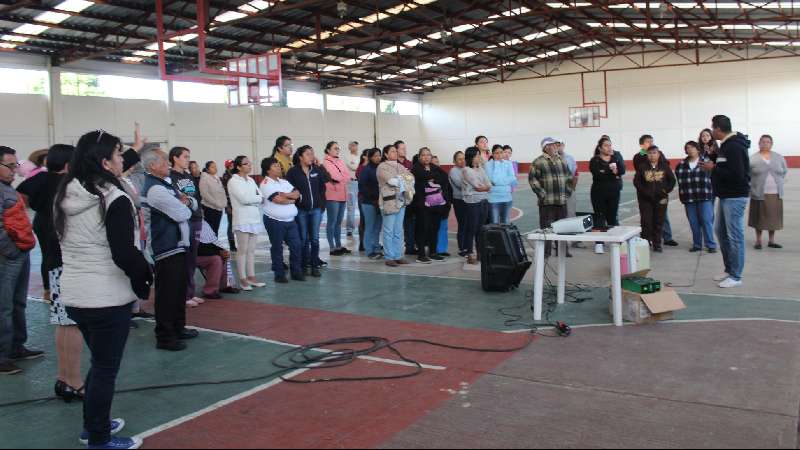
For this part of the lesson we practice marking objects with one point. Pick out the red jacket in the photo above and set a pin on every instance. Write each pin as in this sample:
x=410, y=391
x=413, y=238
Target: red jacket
x=16, y=232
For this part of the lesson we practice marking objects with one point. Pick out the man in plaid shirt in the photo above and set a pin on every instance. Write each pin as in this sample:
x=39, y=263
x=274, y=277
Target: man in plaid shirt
x=697, y=196
x=551, y=181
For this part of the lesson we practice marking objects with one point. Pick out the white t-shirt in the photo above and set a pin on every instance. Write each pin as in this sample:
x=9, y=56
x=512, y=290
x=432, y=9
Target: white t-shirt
x=352, y=161
x=281, y=213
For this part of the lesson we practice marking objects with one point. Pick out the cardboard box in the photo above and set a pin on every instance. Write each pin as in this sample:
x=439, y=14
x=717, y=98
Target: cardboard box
x=649, y=308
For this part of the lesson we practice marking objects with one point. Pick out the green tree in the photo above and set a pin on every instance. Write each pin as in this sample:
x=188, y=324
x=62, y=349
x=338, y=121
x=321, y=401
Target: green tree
x=81, y=85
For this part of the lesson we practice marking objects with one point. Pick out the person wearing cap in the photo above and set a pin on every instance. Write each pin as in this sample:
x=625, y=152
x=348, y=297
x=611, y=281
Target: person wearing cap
x=228, y=209
x=501, y=173
x=551, y=181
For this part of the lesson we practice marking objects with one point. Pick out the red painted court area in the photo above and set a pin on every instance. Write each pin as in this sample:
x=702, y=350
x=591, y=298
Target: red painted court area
x=335, y=415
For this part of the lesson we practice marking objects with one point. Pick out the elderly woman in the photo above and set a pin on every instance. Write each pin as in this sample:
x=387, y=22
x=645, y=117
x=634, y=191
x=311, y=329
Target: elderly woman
x=768, y=170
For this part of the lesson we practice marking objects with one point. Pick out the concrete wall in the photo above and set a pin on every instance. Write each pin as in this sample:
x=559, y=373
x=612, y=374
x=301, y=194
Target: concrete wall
x=673, y=104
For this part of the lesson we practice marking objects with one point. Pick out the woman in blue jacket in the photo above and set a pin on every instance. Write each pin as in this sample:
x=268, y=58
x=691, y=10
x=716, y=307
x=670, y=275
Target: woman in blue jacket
x=307, y=178
x=504, y=180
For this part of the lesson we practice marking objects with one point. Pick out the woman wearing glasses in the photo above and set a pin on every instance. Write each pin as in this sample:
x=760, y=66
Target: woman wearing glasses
x=246, y=201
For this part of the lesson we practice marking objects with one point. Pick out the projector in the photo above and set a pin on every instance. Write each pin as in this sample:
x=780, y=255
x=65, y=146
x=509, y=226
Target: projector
x=575, y=225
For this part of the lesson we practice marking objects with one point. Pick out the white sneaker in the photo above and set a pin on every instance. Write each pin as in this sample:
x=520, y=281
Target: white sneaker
x=722, y=277
x=198, y=300
x=247, y=288
x=730, y=283
x=257, y=285
x=192, y=304
x=599, y=249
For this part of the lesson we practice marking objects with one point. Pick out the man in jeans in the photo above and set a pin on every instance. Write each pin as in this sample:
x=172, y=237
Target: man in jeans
x=16, y=242
x=730, y=174
x=551, y=181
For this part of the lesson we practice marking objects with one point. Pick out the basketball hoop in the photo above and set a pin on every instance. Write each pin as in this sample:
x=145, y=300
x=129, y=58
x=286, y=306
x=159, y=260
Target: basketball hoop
x=255, y=80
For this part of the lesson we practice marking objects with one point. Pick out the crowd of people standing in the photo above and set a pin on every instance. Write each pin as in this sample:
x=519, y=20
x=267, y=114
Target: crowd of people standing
x=140, y=223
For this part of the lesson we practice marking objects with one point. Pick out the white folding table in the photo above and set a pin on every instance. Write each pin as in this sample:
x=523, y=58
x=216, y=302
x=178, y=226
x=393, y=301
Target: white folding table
x=614, y=237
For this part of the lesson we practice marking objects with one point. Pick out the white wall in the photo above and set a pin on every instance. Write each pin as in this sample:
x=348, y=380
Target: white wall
x=673, y=104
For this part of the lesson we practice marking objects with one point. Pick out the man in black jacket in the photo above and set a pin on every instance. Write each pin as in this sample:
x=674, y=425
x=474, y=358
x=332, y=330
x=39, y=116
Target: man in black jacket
x=730, y=174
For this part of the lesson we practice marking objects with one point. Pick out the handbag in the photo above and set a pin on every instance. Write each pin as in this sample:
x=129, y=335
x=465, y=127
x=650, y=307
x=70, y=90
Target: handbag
x=434, y=197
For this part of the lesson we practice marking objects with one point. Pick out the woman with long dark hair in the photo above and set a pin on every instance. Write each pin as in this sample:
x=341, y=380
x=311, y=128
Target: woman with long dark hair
x=336, y=197
x=607, y=169
x=476, y=190
x=307, y=178
x=41, y=191
x=212, y=193
x=369, y=194
x=246, y=202
x=432, y=202
x=709, y=148
x=283, y=153
x=104, y=272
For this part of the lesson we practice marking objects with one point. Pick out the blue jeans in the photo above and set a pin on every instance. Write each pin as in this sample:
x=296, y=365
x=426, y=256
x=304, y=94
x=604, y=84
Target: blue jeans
x=288, y=232
x=336, y=211
x=14, y=276
x=309, y=222
x=730, y=232
x=442, y=242
x=501, y=212
x=667, y=228
x=352, y=207
x=373, y=223
x=393, y=235
x=105, y=331
x=701, y=219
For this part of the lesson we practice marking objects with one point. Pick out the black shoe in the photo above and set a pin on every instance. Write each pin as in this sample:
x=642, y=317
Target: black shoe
x=299, y=277
x=695, y=250
x=712, y=250
x=424, y=260
x=445, y=254
x=759, y=247
x=775, y=246
x=9, y=369
x=316, y=273
x=658, y=250
x=463, y=254
x=346, y=251
x=177, y=346
x=322, y=263
x=134, y=325
x=671, y=243
x=23, y=354
x=569, y=255
x=68, y=393
x=212, y=297
x=187, y=334
x=438, y=258
x=281, y=280
x=337, y=252
x=230, y=290
x=143, y=315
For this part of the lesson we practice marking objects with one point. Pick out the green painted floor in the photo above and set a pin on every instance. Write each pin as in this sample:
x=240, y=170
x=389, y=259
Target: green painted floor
x=56, y=425
x=462, y=303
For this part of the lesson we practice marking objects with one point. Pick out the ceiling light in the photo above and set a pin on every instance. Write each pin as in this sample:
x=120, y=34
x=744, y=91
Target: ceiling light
x=229, y=16
x=52, y=17
x=30, y=28
x=74, y=5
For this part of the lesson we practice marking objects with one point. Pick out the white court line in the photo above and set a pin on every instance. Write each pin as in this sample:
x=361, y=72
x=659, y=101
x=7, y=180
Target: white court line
x=218, y=405
x=667, y=322
x=321, y=350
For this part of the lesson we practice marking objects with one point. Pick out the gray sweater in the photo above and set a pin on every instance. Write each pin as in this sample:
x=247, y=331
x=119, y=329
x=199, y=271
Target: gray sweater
x=472, y=179
x=457, y=182
x=760, y=170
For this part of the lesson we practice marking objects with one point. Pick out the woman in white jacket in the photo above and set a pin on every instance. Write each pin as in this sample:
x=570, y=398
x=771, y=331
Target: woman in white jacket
x=104, y=273
x=246, y=201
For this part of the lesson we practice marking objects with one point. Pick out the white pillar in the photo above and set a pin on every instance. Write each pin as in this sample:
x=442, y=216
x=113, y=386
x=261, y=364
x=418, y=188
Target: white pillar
x=55, y=107
x=172, y=136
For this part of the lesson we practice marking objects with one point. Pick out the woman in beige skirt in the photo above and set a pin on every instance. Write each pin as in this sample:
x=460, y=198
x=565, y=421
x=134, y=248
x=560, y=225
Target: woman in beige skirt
x=768, y=170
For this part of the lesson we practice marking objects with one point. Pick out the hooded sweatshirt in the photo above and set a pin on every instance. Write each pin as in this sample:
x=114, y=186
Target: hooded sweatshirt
x=731, y=176
x=103, y=267
x=655, y=183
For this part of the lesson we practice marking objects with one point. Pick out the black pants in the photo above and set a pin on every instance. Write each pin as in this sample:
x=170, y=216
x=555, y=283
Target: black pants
x=653, y=215
x=461, y=217
x=476, y=214
x=605, y=201
x=231, y=237
x=548, y=215
x=409, y=225
x=105, y=331
x=426, y=231
x=51, y=254
x=213, y=217
x=170, y=298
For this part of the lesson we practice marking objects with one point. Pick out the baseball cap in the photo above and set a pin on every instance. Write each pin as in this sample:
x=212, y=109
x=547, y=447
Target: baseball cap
x=548, y=140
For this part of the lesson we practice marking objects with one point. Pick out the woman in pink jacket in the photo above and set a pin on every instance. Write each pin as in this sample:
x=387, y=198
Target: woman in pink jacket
x=336, y=196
